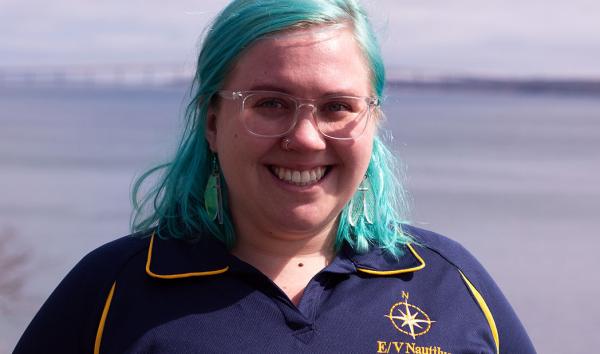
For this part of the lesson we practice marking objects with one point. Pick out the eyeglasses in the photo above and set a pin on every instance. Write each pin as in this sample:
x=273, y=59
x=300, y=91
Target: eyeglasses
x=273, y=114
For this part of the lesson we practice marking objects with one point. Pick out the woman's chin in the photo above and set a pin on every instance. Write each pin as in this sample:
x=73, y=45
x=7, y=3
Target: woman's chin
x=301, y=222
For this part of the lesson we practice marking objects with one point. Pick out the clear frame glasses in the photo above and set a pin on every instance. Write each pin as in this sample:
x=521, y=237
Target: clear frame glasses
x=272, y=114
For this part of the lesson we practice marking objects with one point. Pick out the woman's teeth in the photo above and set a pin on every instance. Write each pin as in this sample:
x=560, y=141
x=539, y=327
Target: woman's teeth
x=300, y=178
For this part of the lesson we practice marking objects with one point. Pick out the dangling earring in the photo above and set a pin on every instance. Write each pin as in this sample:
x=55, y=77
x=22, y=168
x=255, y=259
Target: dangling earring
x=213, y=203
x=364, y=207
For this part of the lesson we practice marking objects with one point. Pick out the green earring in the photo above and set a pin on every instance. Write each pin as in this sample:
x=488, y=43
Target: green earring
x=213, y=203
x=364, y=206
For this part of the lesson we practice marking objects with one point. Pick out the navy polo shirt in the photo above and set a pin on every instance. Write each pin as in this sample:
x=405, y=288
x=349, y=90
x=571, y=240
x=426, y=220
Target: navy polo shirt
x=152, y=295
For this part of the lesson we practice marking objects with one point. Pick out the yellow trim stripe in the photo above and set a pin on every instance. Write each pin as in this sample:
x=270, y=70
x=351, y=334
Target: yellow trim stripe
x=485, y=309
x=398, y=271
x=177, y=276
x=103, y=319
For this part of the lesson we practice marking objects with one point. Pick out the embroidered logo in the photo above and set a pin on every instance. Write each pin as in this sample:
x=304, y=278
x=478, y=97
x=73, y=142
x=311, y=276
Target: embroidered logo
x=408, y=318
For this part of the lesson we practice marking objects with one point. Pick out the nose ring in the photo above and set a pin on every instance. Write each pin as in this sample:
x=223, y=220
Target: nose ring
x=285, y=143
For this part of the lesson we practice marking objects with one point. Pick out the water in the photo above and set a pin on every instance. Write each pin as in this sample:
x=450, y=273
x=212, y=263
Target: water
x=512, y=177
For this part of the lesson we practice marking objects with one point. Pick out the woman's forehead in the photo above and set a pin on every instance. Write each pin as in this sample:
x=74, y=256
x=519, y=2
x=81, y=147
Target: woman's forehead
x=312, y=57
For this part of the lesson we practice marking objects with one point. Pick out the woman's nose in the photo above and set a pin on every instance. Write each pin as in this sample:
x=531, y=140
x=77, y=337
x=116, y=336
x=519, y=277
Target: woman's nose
x=306, y=135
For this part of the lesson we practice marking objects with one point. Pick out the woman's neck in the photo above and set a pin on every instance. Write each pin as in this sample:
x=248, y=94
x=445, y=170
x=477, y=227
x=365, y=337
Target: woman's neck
x=289, y=260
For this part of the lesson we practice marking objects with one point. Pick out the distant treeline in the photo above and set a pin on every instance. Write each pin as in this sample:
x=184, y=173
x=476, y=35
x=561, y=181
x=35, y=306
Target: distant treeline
x=575, y=86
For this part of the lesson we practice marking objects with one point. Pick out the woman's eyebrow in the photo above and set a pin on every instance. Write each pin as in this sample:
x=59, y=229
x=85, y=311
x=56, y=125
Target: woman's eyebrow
x=278, y=88
x=269, y=87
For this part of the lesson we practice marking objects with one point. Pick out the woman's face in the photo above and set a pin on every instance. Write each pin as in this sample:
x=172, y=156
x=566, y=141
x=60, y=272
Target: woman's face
x=309, y=63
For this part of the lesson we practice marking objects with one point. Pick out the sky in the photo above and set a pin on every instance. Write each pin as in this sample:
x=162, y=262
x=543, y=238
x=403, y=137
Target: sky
x=506, y=38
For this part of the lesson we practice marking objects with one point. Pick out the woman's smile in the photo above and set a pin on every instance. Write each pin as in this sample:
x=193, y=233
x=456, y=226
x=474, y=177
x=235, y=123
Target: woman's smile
x=297, y=177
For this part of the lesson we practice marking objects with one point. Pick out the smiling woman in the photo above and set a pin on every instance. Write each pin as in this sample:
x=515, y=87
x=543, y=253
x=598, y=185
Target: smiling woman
x=278, y=225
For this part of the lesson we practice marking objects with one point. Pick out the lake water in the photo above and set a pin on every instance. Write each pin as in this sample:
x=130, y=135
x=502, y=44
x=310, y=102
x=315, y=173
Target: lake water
x=513, y=177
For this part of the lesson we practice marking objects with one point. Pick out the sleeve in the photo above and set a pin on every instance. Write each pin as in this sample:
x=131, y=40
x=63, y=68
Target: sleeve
x=68, y=321
x=512, y=336
x=64, y=324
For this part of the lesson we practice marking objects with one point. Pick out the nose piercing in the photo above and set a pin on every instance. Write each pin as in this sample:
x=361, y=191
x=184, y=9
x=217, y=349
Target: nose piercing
x=285, y=143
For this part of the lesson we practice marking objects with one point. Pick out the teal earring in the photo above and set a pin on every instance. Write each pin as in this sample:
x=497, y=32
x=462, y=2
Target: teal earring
x=213, y=202
x=363, y=207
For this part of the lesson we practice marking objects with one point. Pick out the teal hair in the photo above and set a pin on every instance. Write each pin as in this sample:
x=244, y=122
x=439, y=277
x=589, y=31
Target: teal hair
x=175, y=203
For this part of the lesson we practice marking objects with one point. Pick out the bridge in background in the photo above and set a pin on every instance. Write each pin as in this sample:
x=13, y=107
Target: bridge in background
x=122, y=74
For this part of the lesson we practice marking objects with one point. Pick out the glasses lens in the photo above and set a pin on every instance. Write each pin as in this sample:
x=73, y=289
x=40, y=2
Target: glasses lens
x=343, y=117
x=268, y=113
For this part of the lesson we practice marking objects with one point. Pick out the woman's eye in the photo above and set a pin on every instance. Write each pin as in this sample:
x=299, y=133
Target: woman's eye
x=271, y=103
x=338, y=107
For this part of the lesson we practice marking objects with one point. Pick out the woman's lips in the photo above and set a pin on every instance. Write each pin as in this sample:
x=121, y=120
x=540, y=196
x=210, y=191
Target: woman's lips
x=299, y=177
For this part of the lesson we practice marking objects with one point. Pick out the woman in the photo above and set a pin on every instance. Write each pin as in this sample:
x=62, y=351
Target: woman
x=277, y=227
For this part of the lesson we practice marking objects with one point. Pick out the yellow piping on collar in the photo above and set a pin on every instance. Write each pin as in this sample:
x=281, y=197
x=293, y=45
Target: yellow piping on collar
x=177, y=276
x=398, y=271
x=98, y=340
x=486, y=311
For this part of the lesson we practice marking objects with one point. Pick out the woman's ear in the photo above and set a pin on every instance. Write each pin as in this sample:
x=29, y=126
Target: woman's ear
x=210, y=130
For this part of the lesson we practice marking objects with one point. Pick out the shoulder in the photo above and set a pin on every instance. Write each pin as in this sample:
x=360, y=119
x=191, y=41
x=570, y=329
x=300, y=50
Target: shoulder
x=111, y=257
x=445, y=249
x=99, y=268
x=443, y=254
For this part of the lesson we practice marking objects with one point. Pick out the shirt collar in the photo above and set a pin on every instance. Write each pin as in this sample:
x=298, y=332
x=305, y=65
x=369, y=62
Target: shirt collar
x=377, y=261
x=174, y=259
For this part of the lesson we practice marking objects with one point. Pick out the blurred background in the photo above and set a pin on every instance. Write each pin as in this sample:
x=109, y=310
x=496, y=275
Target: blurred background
x=494, y=108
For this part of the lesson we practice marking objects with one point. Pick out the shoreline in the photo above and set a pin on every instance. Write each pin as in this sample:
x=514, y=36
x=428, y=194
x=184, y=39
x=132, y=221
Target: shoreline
x=566, y=87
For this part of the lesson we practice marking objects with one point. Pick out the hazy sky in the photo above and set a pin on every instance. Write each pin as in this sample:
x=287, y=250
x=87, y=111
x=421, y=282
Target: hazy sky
x=494, y=37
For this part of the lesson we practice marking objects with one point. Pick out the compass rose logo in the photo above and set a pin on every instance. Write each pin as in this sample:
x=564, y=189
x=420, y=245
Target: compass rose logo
x=408, y=318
